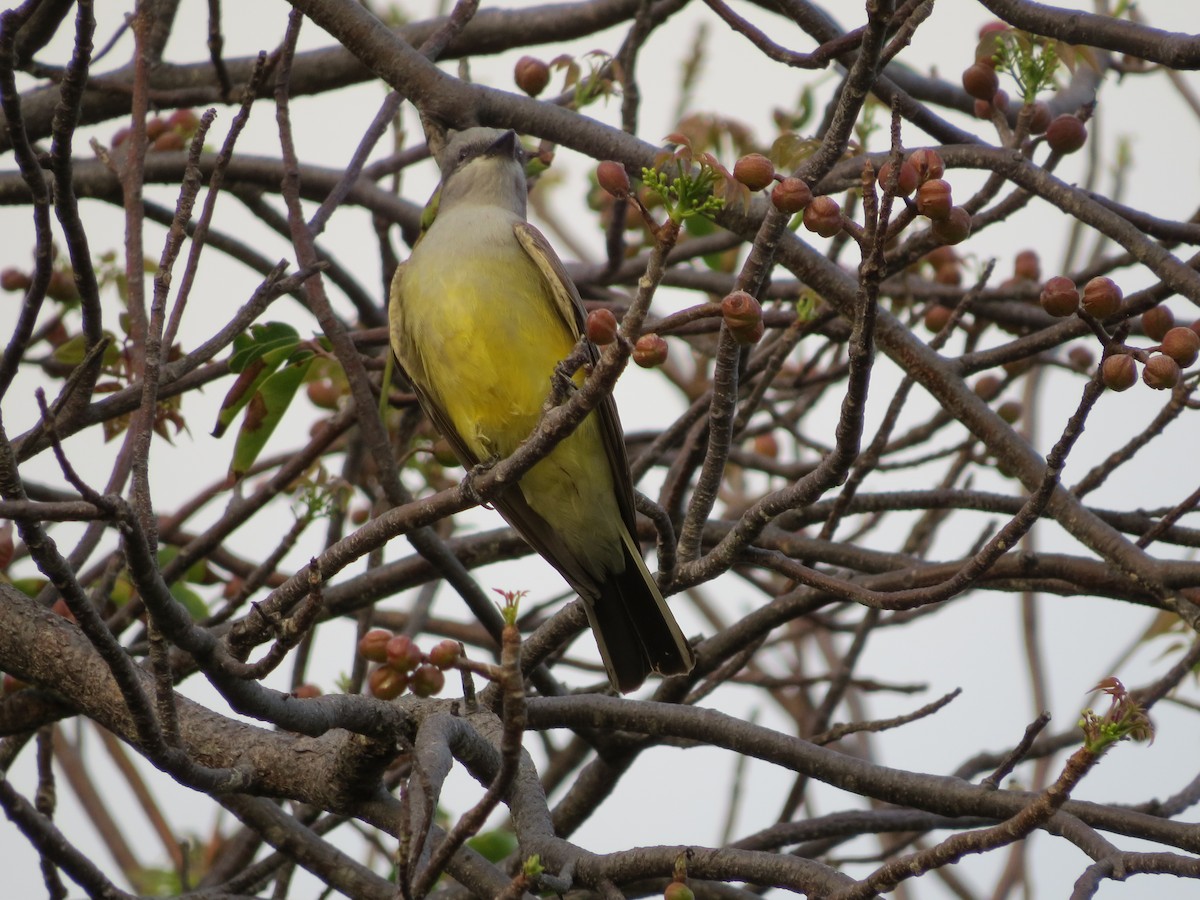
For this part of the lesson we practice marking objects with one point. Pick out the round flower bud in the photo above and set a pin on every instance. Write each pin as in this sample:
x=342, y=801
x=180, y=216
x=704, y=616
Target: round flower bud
x=754, y=170
x=167, y=141
x=601, y=326
x=951, y=275
x=155, y=127
x=427, y=681
x=1156, y=322
x=1027, y=266
x=184, y=121
x=1039, y=119
x=1066, y=134
x=988, y=387
x=386, y=683
x=906, y=181
x=1080, y=358
x=445, y=654
x=823, y=216
x=928, y=164
x=650, y=351
x=677, y=890
x=936, y=317
x=1059, y=296
x=980, y=81
x=791, y=195
x=1119, y=372
x=1182, y=345
x=306, y=692
x=935, y=199
x=402, y=653
x=954, y=229
x=1010, y=411
x=1102, y=297
x=531, y=75
x=765, y=444
x=1161, y=372
x=14, y=280
x=373, y=645
x=740, y=311
x=611, y=176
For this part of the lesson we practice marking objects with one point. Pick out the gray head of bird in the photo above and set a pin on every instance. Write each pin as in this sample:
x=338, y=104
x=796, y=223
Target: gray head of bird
x=483, y=167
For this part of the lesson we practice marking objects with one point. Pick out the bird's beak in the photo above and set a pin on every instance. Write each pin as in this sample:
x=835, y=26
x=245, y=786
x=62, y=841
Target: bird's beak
x=505, y=145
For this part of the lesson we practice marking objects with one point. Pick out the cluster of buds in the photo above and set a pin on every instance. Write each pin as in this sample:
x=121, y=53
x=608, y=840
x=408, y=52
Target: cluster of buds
x=1178, y=346
x=402, y=664
x=790, y=195
x=950, y=224
x=171, y=133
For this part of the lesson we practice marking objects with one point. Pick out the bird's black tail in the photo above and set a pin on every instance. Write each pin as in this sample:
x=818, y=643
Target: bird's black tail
x=634, y=628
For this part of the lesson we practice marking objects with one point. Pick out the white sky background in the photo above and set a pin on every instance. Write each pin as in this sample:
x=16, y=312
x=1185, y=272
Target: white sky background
x=681, y=796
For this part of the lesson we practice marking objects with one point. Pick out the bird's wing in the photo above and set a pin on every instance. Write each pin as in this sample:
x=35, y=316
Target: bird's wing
x=511, y=503
x=412, y=367
x=570, y=308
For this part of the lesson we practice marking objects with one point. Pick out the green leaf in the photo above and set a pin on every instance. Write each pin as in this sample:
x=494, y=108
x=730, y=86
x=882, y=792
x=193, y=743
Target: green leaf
x=255, y=358
x=264, y=412
x=191, y=601
x=494, y=845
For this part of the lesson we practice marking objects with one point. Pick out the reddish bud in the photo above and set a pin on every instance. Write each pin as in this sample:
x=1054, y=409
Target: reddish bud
x=612, y=176
x=306, y=692
x=906, y=180
x=1119, y=372
x=445, y=654
x=1081, y=358
x=928, y=164
x=791, y=195
x=1060, y=296
x=823, y=216
x=601, y=326
x=949, y=275
x=61, y=609
x=120, y=136
x=941, y=256
x=1027, y=266
x=1161, y=372
x=937, y=317
x=531, y=75
x=1066, y=134
x=1156, y=322
x=167, y=141
x=14, y=280
x=1039, y=118
x=427, y=681
x=62, y=287
x=766, y=445
x=988, y=387
x=323, y=394
x=754, y=170
x=677, y=890
x=403, y=654
x=740, y=311
x=1182, y=345
x=1010, y=411
x=11, y=684
x=155, y=127
x=650, y=351
x=1102, y=297
x=954, y=229
x=980, y=81
x=935, y=199
x=373, y=645
x=185, y=121
x=386, y=683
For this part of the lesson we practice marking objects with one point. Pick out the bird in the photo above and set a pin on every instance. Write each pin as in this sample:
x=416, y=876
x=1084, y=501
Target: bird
x=479, y=316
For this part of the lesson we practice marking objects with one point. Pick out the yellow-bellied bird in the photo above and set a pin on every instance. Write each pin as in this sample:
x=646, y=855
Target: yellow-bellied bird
x=480, y=314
